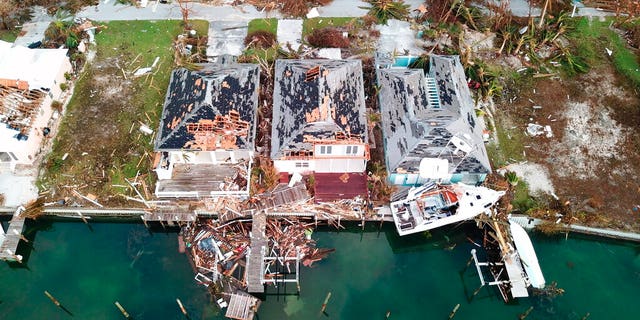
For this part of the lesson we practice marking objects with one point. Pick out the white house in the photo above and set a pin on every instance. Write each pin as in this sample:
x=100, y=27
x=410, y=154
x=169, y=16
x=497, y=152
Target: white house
x=206, y=138
x=29, y=81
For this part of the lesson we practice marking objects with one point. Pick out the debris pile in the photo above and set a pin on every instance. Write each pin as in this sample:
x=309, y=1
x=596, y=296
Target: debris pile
x=219, y=251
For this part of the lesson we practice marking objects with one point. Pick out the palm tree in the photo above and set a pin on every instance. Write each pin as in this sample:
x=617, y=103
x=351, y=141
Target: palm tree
x=383, y=10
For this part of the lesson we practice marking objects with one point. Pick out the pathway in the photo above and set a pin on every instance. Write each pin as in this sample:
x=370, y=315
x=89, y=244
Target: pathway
x=290, y=32
x=226, y=38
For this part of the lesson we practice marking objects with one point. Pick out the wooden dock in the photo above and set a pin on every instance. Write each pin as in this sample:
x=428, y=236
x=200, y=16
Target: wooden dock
x=255, y=257
x=11, y=238
x=242, y=306
x=169, y=216
x=282, y=194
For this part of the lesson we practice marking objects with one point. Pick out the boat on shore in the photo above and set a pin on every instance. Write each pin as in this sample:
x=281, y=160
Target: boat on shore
x=432, y=205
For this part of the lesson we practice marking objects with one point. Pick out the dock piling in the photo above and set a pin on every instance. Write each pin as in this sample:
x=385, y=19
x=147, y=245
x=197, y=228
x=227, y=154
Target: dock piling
x=526, y=313
x=122, y=310
x=453, y=313
x=54, y=300
x=57, y=303
x=326, y=300
x=184, y=311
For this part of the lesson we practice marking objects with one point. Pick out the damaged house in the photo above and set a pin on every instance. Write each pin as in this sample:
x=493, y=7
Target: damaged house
x=429, y=124
x=320, y=126
x=207, y=131
x=29, y=82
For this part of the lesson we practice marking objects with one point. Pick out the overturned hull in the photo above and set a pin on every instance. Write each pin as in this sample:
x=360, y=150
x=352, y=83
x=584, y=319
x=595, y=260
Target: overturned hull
x=431, y=206
x=527, y=256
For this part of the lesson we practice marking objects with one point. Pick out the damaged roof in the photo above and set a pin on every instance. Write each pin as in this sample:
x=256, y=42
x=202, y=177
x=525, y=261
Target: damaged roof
x=214, y=107
x=316, y=99
x=416, y=127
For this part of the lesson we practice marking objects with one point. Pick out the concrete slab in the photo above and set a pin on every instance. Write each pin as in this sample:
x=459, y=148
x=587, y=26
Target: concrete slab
x=34, y=30
x=17, y=189
x=290, y=31
x=226, y=37
x=330, y=53
x=398, y=37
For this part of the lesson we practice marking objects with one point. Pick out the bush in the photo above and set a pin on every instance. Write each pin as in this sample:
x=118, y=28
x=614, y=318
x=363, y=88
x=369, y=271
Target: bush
x=56, y=105
x=328, y=38
x=300, y=8
x=64, y=86
x=260, y=39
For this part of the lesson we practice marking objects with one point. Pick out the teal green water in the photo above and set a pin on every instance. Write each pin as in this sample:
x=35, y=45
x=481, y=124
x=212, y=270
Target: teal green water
x=369, y=274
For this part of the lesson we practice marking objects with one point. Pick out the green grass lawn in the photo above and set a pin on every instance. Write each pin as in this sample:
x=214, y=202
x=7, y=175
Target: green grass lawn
x=9, y=35
x=270, y=25
x=99, y=130
x=593, y=37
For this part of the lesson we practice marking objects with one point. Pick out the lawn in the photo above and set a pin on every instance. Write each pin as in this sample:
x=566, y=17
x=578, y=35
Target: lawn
x=9, y=35
x=593, y=37
x=100, y=128
x=269, y=25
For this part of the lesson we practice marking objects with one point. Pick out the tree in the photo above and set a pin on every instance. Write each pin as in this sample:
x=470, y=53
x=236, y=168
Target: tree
x=8, y=9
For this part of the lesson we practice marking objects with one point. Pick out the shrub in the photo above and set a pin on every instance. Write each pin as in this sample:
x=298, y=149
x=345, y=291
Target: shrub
x=64, y=86
x=56, y=105
x=295, y=8
x=328, y=38
x=260, y=39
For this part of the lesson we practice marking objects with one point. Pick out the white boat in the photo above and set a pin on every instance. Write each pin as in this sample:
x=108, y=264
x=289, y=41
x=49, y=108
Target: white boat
x=527, y=255
x=431, y=206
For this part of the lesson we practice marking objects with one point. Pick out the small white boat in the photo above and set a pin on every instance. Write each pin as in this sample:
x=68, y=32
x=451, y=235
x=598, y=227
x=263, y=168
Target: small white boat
x=527, y=255
x=431, y=206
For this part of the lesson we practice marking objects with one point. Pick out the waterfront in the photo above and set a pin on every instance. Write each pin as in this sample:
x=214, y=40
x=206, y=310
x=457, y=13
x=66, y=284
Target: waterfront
x=369, y=274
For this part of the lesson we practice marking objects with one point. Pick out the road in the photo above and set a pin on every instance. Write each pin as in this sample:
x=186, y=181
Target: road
x=156, y=11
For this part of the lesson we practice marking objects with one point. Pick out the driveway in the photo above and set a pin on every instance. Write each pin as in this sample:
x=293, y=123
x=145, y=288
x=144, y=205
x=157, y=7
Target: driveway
x=111, y=11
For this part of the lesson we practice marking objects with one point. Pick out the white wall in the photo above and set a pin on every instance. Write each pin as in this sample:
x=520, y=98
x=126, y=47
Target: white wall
x=26, y=151
x=327, y=165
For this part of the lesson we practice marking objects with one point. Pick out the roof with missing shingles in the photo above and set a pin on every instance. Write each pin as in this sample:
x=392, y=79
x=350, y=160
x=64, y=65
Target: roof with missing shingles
x=415, y=128
x=315, y=100
x=214, y=107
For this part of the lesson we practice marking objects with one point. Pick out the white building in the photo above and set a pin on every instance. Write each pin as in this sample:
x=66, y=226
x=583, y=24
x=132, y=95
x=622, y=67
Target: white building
x=29, y=82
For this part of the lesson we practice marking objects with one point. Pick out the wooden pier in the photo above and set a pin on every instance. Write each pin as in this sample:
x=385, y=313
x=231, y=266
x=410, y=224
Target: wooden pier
x=242, y=306
x=169, y=216
x=255, y=257
x=11, y=238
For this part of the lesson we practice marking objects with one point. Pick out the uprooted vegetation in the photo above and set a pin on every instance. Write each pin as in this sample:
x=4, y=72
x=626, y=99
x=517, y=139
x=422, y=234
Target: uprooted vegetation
x=99, y=144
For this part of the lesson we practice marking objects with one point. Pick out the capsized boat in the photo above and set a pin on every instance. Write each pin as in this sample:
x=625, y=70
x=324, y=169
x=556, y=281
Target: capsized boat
x=527, y=255
x=432, y=205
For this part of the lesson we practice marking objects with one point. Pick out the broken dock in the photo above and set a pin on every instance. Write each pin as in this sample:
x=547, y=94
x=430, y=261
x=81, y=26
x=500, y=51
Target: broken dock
x=255, y=257
x=11, y=239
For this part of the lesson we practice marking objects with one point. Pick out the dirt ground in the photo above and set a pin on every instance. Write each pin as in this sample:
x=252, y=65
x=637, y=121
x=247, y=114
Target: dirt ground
x=592, y=157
